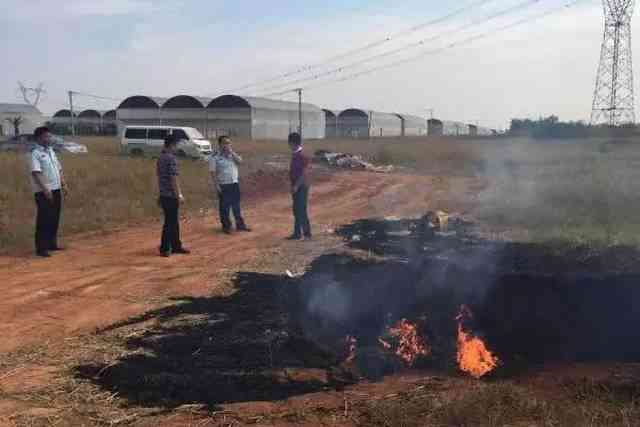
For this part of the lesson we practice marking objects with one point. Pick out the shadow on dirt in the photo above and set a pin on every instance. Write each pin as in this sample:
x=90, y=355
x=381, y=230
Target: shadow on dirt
x=277, y=337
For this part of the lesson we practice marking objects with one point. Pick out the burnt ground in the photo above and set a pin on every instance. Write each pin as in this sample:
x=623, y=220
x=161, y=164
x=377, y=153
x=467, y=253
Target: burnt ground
x=531, y=302
x=278, y=337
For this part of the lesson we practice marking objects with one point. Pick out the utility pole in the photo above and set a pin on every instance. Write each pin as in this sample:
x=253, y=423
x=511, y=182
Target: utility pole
x=430, y=110
x=73, y=126
x=299, y=90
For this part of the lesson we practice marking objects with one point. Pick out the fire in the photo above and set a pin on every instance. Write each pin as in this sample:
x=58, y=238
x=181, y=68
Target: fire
x=352, y=343
x=410, y=344
x=473, y=355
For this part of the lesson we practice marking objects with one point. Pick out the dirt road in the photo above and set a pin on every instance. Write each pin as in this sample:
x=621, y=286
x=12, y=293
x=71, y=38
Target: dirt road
x=102, y=279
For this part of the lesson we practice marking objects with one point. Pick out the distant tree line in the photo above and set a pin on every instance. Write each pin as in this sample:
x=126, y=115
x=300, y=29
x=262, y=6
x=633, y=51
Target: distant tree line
x=552, y=127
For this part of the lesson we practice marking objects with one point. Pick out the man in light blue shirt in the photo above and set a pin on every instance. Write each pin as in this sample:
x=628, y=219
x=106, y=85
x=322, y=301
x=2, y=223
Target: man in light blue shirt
x=223, y=168
x=47, y=182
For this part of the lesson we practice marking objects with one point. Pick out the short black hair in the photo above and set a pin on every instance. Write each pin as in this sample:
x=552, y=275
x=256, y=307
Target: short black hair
x=170, y=139
x=294, y=138
x=40, y=131
x=223, y=138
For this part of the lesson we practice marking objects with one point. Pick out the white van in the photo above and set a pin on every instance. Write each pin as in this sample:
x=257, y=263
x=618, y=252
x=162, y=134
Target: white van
x=149, y=140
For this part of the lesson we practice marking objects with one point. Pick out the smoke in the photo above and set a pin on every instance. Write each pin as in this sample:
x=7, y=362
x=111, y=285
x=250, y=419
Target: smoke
x=527, y=302
x=423, y=275
x=501, y=259
x=467, y=272
x=512, y=187
x=328, y=300
x=576, y=190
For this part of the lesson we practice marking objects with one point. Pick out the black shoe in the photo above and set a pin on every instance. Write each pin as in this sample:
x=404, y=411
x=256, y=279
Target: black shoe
x=227, y=231
x=294, y=237
x=245, y=229
x=182, y=251
x=57, y=249
x=165, y=254
x=43, y=254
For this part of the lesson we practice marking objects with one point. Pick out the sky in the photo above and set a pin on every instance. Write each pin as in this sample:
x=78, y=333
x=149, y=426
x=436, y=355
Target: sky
x=119, y=48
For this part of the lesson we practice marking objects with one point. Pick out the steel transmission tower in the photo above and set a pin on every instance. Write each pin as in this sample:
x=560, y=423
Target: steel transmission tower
x=36, y=91
x=613, y=102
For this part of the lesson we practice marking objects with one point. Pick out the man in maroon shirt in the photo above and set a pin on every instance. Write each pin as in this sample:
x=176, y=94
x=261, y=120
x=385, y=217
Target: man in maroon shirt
x=299, y=174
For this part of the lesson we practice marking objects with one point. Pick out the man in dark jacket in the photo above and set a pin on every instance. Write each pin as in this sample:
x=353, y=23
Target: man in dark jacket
x=170, y=198
x=299, y=176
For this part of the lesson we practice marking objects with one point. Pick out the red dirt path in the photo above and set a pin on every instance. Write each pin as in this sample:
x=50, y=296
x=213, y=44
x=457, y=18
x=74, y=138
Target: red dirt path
x=102, y=279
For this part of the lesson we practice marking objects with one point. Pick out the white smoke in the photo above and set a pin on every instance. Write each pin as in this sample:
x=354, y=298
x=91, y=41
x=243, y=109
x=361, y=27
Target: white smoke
x=328, y=299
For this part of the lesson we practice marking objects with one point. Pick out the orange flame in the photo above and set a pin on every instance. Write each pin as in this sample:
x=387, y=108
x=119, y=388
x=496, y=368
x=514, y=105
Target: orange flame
x=410, y=344
x=473, y=355
x=352, y=343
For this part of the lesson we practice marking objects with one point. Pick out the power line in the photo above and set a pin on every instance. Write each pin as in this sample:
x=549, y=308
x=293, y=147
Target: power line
x=77, y=109
x=453, y=45
x=66, y=102
x=465, y=41
x=413, y=45
x=106, y=98
x=364, y=48
x=71, y=94
x=459, y=43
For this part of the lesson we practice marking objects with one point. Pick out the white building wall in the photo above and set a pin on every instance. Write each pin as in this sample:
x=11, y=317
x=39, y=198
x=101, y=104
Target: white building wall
x=455, y=128
x=278, y=124
x=234, y=122
x=187, y=117
x=353, y=127
x=413, y=126
x=138, y=116
x=385, y=125
x=29, y=122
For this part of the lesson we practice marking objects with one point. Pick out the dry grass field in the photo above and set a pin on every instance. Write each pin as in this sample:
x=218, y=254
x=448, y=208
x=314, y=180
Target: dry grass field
x=106, y=191
x=580, y=191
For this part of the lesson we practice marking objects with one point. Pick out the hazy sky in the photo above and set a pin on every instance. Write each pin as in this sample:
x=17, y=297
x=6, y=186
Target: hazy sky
x=118, y=48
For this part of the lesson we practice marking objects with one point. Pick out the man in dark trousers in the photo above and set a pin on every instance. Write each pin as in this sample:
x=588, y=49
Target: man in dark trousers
x=170, y=198
x=299, y=175
x=223, y=168
x=47, y=181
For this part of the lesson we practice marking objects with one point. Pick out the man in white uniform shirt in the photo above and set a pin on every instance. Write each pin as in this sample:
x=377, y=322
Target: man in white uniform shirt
x=47, y=181
x=223, y=167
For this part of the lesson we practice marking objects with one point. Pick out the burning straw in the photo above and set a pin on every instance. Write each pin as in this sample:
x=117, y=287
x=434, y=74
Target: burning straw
x=410, y=344
x=473, y=356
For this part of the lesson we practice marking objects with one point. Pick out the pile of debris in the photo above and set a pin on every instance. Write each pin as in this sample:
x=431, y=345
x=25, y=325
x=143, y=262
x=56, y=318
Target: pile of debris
x=349, y=161
x=432, y=222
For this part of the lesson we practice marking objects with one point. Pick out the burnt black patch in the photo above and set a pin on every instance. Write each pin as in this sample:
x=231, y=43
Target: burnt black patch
x=277, y=337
